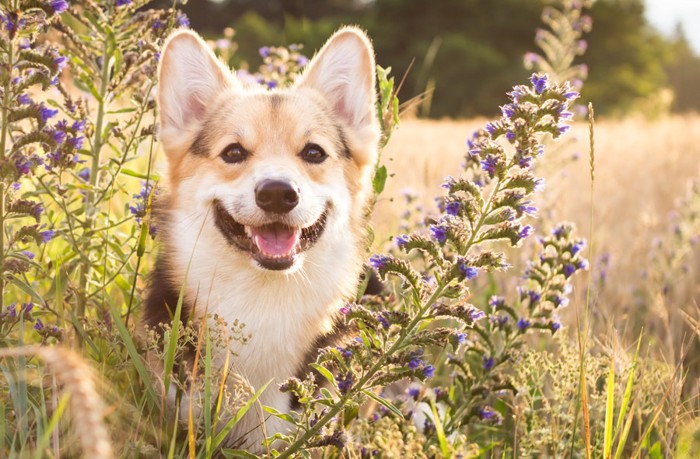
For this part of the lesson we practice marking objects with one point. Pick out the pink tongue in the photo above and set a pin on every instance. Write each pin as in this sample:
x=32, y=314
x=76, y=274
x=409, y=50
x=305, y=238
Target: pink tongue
x=275, y=240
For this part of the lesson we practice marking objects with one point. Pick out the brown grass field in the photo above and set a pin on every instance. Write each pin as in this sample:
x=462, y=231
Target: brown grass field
x=642, y=173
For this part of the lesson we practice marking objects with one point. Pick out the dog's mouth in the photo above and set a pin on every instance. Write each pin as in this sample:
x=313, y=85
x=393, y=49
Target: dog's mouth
x=275, y=245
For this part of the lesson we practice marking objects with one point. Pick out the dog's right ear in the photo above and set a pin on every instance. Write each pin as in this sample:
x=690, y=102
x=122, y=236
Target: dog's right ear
x=190, y=76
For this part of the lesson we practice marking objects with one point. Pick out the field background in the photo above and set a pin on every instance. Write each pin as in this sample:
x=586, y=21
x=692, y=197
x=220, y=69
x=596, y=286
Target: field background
x=643, y=171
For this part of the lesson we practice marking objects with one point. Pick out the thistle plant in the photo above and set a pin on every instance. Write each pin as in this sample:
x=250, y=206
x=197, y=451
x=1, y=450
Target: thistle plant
x=561, y=43
x=433, y=307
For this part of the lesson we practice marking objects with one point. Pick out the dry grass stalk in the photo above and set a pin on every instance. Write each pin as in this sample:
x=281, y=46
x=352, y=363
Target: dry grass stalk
x=75, y=377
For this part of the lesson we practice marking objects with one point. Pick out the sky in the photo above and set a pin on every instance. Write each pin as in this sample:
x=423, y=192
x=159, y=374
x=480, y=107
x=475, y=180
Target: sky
x=666, y=14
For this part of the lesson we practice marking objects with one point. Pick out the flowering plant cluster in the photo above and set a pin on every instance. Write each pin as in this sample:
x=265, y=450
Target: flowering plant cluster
x=281, y=66
x=394, y=338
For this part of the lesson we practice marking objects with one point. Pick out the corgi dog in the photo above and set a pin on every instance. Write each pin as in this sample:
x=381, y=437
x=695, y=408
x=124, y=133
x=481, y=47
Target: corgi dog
x=264, y=214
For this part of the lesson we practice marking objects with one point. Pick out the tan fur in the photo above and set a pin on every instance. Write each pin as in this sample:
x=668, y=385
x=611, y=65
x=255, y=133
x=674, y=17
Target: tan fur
x=203, y=110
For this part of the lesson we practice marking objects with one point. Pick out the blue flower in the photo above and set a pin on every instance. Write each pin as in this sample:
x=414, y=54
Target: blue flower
x=510, y=135
x=415, y=362
x=39, y=325
x=413, y=392
x=347, y=353
x=523, y=324
x=401, y=240
x=491, y=128
x=469, y=272
x=487, y=362
x=264, y=51
x=540, y=83
x=569, y=269
x=525, y=231
x=58, y=135
x=344, y=383
x=577, y=246
x=448, y=182
x=428, y=371
x=476, y=314
x=563, y=129
x=84, y=174
x=60, y=62
x=554, y=325
x=182, y=20
x=156, y=24
x=78, y=125
x=489, y=164
x=509, y=110
x=124, y=2
x=46, y=113
x=76, y=142
x=528, y=209
x=383, y=320
x=534, y=296
x=47, y=235
x=582, y=264
x=58, y=6
x=497, y=302
x=487, y=413
x=302, y=61
x=560, y=301
x=452, y=208
x=438, y=232
x=24, y=99
x=379, y=261
x=28, y=254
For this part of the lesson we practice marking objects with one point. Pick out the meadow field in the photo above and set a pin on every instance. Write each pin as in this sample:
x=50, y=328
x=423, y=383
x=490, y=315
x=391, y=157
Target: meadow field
x=541, y=272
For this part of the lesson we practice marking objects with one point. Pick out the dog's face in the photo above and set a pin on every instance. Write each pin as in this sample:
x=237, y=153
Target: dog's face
x=275, y=173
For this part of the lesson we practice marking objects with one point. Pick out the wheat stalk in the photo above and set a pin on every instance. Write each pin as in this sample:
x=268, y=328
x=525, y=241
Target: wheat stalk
x=75, y=377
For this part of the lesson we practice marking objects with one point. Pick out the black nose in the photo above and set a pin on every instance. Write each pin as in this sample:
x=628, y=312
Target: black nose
x=276, y=196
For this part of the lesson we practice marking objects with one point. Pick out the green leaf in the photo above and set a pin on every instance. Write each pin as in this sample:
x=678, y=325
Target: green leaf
x=384, y=402
x=324, y=372
x=139, y=175
x=379, y=180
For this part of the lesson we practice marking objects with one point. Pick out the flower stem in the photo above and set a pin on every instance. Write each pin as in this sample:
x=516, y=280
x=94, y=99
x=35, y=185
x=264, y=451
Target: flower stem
x=84, y=269
x=3, y=145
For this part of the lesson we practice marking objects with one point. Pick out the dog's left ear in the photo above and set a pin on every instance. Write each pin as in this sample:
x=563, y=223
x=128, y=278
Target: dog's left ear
x=343, y=72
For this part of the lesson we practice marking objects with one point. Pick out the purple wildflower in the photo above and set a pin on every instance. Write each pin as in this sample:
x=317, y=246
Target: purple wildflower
x=28, y=254
x=401, y=240
x=469, y=272
x=476, y=314
x=61, y=62
x=510, y=135
x=523, y=324
x=540, y=83
x=497, y=302
x=124, y=2
x=24, y=99
x=415, y=362
x=78, y=125
x=569, y=269
x=46, y=113
x=182, y=20
x=428, y=371
x=344, y=383
x=47, y=235
x=439, y=233
x=452, y=208
x=76, y=142
x=264, y=51
x=525, y=231
x=489, y=164
x=488, y=362
x=302, y=61
x=379, y=261
x=84, y=174
x=39, y=325
x=487, y=413
x=58, y=6
x=383, y=320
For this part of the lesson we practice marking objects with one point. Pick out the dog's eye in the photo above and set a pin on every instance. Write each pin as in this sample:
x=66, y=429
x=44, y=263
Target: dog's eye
x=312, y=153
x=234, y=153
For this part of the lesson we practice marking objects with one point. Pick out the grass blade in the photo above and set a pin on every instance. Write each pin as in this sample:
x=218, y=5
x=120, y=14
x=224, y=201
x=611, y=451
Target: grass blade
x=609, y=409
x=233, y=421
x=628, y=389
x=51, y=426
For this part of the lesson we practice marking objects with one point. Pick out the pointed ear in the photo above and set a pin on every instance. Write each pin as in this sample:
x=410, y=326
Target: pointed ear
x=190, y=75
x=343, y=72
